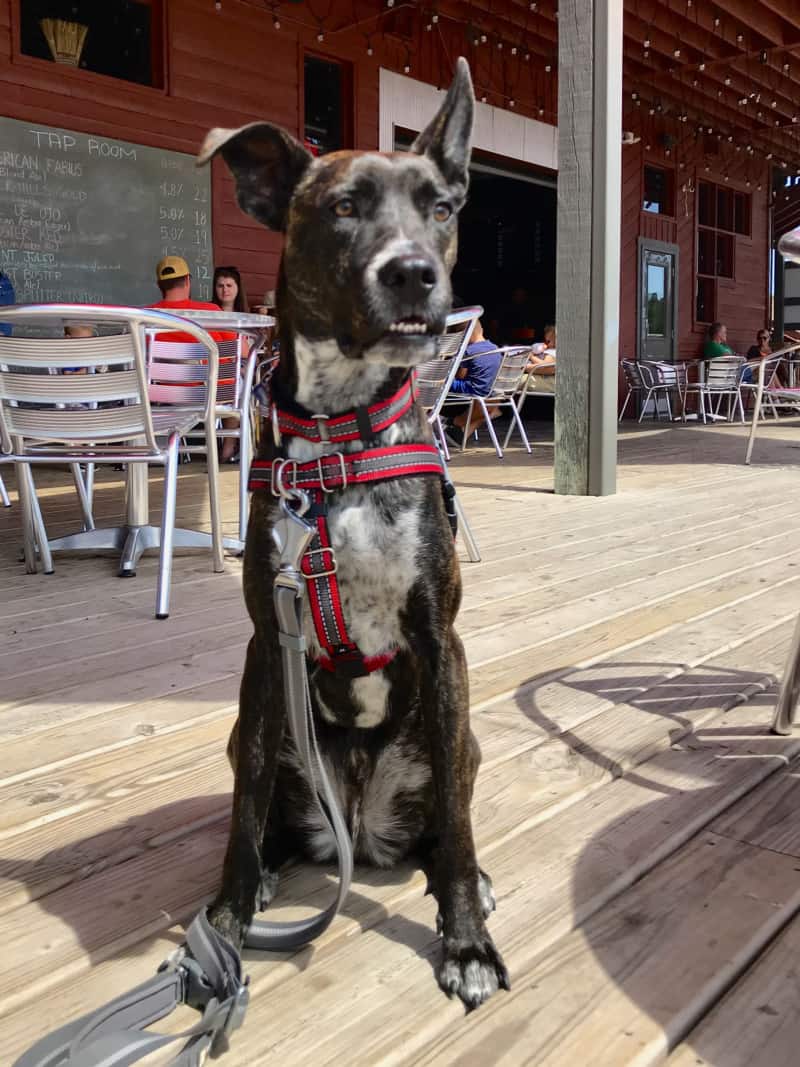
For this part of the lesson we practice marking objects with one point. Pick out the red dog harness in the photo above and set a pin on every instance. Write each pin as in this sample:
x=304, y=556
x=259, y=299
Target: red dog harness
x=328, y=474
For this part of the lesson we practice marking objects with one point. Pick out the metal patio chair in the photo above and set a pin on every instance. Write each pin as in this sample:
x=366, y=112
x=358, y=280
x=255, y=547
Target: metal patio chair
x=434, y=377
x=673, y=378
x=779, y=396
x=177, y=373
x=723, y=378
x=41, y=420
x=502, y=394
x=643, y=382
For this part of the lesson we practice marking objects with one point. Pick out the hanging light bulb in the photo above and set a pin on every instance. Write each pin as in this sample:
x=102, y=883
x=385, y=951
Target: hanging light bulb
x=511, y=102
x=513, y=50
x=728, y=80
x=483, y=98
x=739, y=38
x=218, y=5
x=320, y=36
x=541, y=111
x=547, y=68
x=276, y=23
x=500, y=45
x=434, y=18
x=701, y=67
x=677, y=53
x=527, y=57
x=483, y=38
x=646, y=42
x=646, y=54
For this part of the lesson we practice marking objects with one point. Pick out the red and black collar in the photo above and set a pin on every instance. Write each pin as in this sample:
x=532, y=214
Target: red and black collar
x=362, y=422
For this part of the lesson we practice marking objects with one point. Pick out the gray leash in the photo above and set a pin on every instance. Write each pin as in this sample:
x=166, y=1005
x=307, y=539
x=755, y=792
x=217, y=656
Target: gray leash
x=210, y=977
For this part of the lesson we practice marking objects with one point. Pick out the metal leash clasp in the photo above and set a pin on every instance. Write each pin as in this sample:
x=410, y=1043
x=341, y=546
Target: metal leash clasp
x=291, y=533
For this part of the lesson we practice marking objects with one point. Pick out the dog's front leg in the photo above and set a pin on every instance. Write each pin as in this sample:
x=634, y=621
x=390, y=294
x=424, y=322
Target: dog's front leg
x=471, y=966
x=255, y=747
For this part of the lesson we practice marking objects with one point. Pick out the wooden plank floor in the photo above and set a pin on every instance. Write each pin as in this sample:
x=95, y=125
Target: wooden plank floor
x=641, y=825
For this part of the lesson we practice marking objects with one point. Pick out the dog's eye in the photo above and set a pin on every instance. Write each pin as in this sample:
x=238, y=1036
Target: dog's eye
x=344, y=208
x=442, y=212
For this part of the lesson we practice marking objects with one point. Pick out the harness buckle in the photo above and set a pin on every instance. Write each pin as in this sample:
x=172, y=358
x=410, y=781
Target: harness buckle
x=234, y=1017
x=332, y=565
x=322, y=427
x=342, y=472
x=277, y=477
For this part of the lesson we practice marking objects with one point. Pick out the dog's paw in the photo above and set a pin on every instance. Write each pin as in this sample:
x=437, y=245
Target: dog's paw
x=472, y=972
x=267, y=890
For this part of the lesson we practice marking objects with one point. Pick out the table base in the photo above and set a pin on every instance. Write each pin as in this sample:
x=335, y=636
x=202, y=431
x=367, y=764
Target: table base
x=132, y=541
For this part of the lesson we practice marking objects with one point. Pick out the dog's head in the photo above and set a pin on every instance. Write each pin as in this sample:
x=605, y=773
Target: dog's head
x=370, y=237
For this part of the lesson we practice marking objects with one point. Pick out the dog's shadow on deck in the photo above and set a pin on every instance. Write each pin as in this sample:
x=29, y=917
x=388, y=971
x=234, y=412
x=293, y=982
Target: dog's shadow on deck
x=120, y=890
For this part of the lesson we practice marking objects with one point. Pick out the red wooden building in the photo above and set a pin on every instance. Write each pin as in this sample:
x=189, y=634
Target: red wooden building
x=711, y=103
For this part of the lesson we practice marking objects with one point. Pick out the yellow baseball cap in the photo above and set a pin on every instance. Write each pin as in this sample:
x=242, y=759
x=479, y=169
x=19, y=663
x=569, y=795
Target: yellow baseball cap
x=172, y=267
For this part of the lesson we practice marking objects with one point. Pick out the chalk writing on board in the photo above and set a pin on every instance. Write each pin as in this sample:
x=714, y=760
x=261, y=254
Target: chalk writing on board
x=85, y=218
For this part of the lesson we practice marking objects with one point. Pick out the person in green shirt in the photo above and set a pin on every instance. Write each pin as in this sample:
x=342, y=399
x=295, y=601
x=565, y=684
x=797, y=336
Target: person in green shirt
x=717, y=342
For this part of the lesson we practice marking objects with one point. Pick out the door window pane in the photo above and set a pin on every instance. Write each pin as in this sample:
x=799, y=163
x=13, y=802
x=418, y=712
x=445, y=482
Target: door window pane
x=656, y=300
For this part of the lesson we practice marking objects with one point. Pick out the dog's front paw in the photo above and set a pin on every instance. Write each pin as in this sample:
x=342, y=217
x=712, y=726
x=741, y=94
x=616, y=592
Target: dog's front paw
x=472, y=971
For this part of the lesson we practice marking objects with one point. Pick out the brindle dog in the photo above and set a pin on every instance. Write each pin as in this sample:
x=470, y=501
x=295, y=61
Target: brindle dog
x=363, y=293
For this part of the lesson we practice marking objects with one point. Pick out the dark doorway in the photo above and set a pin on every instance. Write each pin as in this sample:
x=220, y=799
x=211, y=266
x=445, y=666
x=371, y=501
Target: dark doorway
x=507, y=253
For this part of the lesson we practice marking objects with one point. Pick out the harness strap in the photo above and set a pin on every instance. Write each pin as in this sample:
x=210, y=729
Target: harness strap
x=337, y=470
x=319, y=477
x=363, y=423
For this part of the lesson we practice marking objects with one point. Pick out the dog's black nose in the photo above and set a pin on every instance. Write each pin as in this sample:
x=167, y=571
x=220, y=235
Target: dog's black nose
x=411, y=276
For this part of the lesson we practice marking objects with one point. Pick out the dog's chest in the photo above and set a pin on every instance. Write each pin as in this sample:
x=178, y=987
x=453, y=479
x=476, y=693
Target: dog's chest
x=376, y=567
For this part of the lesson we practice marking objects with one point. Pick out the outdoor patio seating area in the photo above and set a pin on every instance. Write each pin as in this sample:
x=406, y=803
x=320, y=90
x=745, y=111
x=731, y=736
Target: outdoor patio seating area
x=636, y=815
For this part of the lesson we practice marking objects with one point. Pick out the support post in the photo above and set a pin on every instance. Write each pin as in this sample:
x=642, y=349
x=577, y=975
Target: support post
x=588, y=253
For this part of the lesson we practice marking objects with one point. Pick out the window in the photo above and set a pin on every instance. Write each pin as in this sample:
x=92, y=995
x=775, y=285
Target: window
x=722, y=215
x=659, y=191
x=119, y=38
x=328, y=105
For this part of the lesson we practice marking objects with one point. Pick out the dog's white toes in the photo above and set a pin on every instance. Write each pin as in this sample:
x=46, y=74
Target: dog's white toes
x=486, y=894
x=267, y=890
x=175, y=958
x=473, y=973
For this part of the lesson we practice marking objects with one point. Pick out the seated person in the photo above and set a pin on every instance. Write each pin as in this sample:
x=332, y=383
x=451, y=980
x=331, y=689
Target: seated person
x=542, y=359
x=716, y=344
x=174, y=279
x=762, y=348
x=476, y=376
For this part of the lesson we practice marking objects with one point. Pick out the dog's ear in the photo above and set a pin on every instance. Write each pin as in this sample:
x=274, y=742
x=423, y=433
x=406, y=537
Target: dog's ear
x=447, y=138
x=267, y=163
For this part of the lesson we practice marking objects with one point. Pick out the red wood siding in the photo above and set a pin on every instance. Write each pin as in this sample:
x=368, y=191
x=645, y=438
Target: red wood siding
x=233, y=67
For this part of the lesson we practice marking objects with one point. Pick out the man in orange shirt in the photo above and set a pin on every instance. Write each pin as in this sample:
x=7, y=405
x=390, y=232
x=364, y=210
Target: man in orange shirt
x=174, y=279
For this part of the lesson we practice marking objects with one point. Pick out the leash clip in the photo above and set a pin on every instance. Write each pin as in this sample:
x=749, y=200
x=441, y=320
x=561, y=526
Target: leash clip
x=292, y=535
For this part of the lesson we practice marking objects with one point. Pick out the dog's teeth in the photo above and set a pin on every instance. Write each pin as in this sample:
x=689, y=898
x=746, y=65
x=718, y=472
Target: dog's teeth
x=408, y=327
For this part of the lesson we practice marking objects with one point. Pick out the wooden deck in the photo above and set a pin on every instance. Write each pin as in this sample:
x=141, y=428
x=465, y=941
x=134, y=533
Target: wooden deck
x=641, y=825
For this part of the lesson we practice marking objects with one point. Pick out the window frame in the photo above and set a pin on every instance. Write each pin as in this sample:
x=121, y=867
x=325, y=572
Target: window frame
x=158, y=62
x=719, y=236
x=348, y=93
x=671, y=180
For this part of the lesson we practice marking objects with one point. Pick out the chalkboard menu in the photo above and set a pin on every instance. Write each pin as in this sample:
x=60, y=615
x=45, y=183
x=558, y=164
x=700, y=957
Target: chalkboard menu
x=85, y=219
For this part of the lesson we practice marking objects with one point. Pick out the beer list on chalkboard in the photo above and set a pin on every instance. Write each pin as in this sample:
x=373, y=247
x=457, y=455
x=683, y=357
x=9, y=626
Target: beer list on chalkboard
x=85, y=219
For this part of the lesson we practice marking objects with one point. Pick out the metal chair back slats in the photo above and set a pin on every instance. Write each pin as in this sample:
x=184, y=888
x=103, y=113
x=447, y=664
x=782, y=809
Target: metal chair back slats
x=509, y=374
x=723, y=374
x=434, y=377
